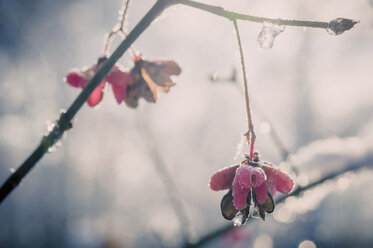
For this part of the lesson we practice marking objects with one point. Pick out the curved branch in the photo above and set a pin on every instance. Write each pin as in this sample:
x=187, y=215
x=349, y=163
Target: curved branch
x=337, y=26
x=65, y=119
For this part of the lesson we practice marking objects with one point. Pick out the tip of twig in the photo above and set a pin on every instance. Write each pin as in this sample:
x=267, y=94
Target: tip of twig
x=340, y=25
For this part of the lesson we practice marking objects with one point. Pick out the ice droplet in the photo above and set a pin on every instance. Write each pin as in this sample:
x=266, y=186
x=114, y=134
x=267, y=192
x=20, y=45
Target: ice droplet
x=340, y=25
x=50, y=125
x=12, y=170
x=237, y=220
x=268, y=34
x=51, y=128
x=55, y=146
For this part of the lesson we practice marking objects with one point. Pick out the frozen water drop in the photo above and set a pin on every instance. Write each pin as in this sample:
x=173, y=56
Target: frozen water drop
x=53, y=137
x=50, y=125
x=237, y=220
x=55, y=146
x=12, y=170
x=268, y=35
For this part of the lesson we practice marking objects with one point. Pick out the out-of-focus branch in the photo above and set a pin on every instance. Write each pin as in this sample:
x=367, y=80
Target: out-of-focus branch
x=273, y=134
x=64, y=121
x=336, y=26
x=367, y=162
x=167, y=181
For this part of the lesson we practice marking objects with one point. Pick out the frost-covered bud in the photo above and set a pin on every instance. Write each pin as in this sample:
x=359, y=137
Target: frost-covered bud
x=340, y=25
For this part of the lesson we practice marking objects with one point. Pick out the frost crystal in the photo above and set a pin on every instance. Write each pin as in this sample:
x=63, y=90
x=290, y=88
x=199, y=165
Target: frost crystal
x=268, y=34
x=340, y=25
x=51, y=128
x=55, y=146
x=237, y=221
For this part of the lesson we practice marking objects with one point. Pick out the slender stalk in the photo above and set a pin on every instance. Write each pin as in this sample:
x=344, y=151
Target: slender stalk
x=123, y=15
x=353, y=166
x=167, y=181
x=64, y=121
x=277, y=141
x=119, y=27
x=217, y=10
x=250, y=135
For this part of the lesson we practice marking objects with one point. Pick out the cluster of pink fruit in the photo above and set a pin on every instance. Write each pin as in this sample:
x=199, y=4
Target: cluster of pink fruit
x=251, y=181
x=142, y=81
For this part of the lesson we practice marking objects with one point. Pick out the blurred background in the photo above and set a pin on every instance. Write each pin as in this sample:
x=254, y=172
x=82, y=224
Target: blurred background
x=104, y=187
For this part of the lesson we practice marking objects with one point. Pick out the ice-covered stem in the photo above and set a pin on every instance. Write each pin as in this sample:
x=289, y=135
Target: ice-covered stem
x=48, y=141
x=123, y=15
x=119, y=27
x=335, y=25
x=250, y=134
x=357, y=165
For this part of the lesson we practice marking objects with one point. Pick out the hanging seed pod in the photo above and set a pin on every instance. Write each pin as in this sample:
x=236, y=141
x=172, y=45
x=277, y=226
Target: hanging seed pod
x=227, y=209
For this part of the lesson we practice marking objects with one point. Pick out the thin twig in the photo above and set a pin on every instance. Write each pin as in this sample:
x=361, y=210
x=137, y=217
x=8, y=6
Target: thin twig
x=277, y=141
x=217, y=10
x=273, y=133
x=250, y=135
x=167, y=181
x=119, y=27
x=353, y=166
x=123, y=16
x=65, y=119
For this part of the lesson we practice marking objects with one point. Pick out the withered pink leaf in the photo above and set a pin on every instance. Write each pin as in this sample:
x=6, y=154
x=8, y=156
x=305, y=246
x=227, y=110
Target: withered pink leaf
x=171, y=67
x=156, y=74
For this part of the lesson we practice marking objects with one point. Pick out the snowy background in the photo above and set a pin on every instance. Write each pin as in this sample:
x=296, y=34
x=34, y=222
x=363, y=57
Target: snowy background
x=102, y=189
